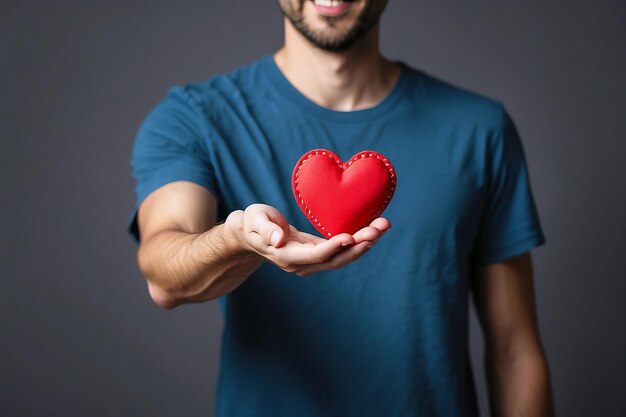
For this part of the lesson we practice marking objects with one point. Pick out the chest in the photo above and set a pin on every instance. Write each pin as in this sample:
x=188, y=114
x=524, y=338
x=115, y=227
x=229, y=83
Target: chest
x=440, y=185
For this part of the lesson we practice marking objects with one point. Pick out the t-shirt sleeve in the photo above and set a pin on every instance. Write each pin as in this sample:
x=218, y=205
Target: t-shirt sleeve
x=510, y=223
x=170, y=146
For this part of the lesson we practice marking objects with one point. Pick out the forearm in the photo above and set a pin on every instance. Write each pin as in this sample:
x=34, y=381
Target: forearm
x=519, y=386
x=192, y=267
x=181, y=266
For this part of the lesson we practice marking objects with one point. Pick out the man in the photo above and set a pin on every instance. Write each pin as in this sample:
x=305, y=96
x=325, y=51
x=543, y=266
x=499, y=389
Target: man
x=384, y=336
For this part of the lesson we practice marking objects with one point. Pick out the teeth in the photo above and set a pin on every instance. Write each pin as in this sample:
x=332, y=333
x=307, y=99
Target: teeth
x=328, y=3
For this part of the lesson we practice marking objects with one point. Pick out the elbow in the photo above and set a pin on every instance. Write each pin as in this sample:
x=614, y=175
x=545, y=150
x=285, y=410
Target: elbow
x=162, y=297
x=169, y=292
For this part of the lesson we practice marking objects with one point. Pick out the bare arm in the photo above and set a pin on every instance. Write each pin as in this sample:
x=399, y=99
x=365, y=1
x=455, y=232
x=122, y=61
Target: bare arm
x=515, y=363
x=185, y=257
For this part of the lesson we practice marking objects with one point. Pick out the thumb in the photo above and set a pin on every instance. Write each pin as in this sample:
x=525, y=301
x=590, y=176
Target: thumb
x=269, y=223
x=276, y=238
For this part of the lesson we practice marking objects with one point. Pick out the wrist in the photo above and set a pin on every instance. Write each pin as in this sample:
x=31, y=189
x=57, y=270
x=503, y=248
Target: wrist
x=232, y=232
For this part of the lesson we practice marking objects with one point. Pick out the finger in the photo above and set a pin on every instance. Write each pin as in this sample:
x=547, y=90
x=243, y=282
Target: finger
x=368, y=233
x=346, y=239
x=339, y=260
x=268, y=223
x=381, y=224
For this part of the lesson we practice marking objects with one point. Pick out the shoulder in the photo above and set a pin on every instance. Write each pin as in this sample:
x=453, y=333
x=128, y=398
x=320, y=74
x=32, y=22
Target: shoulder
x=221, y=88
x=446, y=100
x=198, y=102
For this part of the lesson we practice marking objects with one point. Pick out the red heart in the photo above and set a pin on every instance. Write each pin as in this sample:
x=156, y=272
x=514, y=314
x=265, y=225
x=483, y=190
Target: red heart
x=338, y=196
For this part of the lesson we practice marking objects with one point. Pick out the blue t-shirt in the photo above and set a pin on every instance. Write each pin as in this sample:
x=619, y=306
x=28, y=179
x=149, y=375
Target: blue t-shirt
x=386, y=335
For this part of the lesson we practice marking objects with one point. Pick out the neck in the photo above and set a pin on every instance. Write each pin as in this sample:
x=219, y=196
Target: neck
x=355, y=79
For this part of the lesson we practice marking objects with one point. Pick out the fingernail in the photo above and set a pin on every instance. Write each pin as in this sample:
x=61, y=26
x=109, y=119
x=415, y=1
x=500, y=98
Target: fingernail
x=345, y=243
x=274, y=237
x=369, y=245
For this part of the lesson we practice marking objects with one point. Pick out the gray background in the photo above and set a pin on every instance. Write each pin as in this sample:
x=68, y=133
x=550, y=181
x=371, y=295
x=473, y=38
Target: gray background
x=79, y=335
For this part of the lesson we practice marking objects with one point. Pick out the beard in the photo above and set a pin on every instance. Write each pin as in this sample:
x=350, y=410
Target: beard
x=331, y=39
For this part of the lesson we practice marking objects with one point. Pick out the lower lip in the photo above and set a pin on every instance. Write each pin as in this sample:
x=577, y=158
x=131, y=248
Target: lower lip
x=332, y=10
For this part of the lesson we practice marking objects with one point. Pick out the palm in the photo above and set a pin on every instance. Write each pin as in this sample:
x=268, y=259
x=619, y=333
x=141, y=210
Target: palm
x=305, y=248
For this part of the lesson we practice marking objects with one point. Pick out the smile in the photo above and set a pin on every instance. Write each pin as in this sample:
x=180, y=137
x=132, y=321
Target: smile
x=331, y=7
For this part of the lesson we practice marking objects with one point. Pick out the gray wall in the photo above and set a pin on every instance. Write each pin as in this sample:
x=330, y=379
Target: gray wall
x=79, y=335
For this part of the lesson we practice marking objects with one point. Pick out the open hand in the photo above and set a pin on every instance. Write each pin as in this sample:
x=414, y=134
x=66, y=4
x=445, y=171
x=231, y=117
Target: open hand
x=263, y=230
